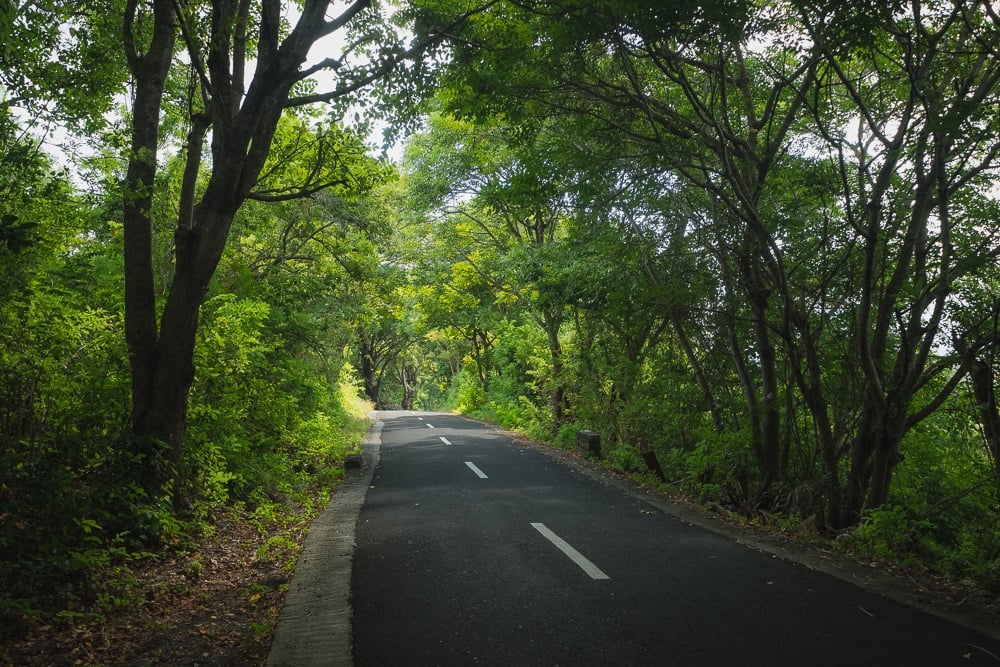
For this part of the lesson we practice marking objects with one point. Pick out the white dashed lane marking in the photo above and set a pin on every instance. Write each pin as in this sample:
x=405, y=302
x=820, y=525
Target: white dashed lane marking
x=479, y=473
x=574, y=555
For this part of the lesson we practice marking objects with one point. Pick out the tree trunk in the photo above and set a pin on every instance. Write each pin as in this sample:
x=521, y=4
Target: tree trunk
x=770, y=446
x=983, y=391
x=884, y=461
x=699, y=372
x=161, y=411
x=743, y=373
x=479, y=352
x=409, y=380
x=242, y=119
x=149, y=71
x=557, y=393
x=369, y=372
x=982, y=378
x=856, y=489
x=758, y=294
x=874, y=457
x=811, y=388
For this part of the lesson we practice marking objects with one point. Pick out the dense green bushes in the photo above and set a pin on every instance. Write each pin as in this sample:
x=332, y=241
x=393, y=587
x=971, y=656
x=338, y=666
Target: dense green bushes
x=265, y=426
x=273, y=412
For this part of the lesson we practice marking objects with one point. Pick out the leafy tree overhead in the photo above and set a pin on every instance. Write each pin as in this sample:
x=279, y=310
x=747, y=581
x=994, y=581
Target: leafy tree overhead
x=504, y=187
x=709, y=113
x=738, y=107
x=925, y=149
x=217, y=77
x=7, y=9
x=61, y=61
x=247, y=66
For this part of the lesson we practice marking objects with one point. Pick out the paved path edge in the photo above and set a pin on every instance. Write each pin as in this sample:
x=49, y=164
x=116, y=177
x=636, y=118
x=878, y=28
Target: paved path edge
x=891, y=583
x=314, y=625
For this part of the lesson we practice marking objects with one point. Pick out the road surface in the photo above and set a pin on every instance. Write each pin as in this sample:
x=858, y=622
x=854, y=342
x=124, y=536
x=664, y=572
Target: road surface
x=473, y=549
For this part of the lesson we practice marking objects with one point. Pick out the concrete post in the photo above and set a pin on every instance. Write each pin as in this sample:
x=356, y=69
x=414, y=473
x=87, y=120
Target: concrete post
x=589, y=442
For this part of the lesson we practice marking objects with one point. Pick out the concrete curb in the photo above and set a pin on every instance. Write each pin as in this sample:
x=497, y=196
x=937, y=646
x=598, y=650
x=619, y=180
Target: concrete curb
x=314, y=626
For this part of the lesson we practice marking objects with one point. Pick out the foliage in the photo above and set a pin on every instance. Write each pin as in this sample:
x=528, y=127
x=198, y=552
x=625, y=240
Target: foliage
x=743, y=277
x=757, y=240
x=272, y=416
x=49, y=50
x=894, y=533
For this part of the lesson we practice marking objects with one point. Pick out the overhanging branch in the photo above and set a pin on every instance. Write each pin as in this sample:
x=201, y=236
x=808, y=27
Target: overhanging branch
x=377, y=70
x=288, y=194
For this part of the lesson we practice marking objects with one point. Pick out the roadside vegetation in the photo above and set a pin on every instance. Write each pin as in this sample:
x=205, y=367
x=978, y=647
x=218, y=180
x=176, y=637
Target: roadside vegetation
x=760, y=248
x=756, y=242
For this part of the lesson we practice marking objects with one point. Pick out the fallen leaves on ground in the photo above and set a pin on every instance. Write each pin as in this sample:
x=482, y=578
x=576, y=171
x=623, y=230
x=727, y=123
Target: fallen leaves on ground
x=216, y=607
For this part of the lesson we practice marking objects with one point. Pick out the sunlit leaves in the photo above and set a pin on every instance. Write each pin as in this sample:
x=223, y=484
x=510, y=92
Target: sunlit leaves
x=62, y=61
x=308, y=159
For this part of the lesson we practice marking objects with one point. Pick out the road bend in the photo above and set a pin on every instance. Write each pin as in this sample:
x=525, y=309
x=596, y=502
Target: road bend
x=473, y=549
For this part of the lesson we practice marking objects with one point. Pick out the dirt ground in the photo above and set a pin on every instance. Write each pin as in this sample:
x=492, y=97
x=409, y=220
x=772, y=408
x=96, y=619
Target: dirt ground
x=216, y=606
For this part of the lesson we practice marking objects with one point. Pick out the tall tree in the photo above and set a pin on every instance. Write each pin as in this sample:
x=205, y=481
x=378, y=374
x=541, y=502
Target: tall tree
x=711, y=110
x=900, y=97
x=247, y=65
x=920, y=155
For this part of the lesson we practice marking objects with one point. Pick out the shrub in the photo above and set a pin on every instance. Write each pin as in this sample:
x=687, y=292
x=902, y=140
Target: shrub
x=895, y=533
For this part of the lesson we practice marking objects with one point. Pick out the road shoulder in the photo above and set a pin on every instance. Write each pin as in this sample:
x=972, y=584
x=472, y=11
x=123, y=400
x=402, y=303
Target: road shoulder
x=932, y=595
x=314, y=626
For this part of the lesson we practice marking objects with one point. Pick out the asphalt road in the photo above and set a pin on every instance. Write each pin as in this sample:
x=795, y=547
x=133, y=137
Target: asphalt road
x=472, y=549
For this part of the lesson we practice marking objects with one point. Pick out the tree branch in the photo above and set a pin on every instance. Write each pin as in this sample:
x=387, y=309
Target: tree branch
x=192, y=48
x=377, y=70
x=302, y=192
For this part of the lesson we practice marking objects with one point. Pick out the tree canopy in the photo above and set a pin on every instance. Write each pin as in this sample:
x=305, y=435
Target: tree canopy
x=752, y=244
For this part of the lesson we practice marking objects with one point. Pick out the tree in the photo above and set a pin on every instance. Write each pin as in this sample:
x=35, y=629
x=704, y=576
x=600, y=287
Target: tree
x=646, y=276
x=383, y=333
x=911, y=174
x=828, y=297
x=502, y=187
x=241, y=109
x=61, y=62
x=7, y=9
x=713, y=112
